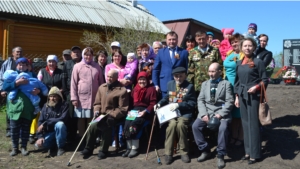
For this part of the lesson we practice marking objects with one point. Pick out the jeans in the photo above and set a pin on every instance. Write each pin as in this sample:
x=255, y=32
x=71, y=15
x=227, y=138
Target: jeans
x=59, y=134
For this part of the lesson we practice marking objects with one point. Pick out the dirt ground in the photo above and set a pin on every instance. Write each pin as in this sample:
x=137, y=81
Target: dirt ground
x=281, y=145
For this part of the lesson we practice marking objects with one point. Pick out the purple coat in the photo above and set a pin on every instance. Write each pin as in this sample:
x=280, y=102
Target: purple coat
x=85, y=81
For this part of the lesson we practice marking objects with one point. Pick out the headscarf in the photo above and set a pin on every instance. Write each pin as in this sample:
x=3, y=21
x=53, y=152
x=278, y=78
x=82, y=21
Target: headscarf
x=138, y=92
x=82, y=60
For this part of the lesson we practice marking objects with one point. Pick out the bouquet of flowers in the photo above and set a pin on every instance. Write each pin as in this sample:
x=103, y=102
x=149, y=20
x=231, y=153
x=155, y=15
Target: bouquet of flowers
x=289, y=74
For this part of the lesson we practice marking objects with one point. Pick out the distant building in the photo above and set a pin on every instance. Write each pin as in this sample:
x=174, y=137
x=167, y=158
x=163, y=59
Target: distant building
x=48, y=27
x=189, y=26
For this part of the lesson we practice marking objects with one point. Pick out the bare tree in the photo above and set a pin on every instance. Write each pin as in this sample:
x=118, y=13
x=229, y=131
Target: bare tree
x=134, y=32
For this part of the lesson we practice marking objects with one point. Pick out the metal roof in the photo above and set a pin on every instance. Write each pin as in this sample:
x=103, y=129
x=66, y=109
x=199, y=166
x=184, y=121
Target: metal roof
x=94, y=12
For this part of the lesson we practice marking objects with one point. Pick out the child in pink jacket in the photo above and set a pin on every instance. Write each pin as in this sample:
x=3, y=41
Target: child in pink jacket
x=225, y=44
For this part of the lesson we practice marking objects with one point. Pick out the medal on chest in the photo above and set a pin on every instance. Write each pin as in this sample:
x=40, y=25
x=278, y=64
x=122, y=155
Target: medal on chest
x=177, y=96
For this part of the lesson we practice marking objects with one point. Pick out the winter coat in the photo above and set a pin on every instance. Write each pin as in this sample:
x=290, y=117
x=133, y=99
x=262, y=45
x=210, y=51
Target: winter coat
x=86, y=78
x=9, y=64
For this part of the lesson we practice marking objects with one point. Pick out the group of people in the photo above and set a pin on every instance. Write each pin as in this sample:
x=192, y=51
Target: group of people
x=222, y=92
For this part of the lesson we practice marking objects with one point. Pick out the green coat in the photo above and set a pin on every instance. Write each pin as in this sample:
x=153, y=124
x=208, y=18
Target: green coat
x=20, y=107
x=199, y=63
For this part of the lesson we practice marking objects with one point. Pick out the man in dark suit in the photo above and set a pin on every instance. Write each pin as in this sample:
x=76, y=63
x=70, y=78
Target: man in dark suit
x=215, y=100
x=166, y=60
x=181, y=96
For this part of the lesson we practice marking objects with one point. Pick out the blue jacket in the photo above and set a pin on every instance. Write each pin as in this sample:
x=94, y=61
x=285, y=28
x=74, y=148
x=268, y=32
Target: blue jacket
x=7, y=65
x=163, y=66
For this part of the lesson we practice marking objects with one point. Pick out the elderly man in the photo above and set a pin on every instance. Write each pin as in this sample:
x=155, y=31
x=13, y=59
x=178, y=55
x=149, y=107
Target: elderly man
x=215, y=101
x=66, y=55
x=111, y=101
x=52, y=130
x=181, y=96
x=156, y=46
x=10, y=64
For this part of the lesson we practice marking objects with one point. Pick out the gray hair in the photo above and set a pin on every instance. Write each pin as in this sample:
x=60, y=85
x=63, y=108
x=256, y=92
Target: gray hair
x=114, y=72
x=15, y=48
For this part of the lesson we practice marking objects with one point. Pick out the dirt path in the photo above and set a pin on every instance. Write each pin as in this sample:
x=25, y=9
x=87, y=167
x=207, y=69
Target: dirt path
x=281, y=145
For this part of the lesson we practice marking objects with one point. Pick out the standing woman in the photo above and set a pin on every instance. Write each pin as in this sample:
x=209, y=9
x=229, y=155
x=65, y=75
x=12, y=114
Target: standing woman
x=101, y=59
x=86, y=78
x=263, y=54
x=229, y=64
x=249, y=73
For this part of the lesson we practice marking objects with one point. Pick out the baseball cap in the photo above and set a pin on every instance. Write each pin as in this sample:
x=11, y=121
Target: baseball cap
x=75, y=47
x=115, y=43
x=67, y=52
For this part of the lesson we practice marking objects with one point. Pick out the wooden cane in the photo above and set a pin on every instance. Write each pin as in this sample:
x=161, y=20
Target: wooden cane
x=69, y=163
x=150, y=136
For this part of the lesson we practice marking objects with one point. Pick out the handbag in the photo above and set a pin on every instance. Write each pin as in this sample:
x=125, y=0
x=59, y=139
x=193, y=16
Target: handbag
x=264, y=113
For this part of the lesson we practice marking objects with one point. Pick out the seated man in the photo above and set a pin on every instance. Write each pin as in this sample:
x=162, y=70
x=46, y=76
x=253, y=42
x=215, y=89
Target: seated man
x=112, y=101
x=215, y=100
x=181, y=94
x=52, y=122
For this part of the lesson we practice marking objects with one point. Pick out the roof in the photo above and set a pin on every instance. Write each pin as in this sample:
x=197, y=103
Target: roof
x=94, y=12
x=195, y=21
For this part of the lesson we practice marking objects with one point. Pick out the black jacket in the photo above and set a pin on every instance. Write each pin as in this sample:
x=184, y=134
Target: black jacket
x=50, y=116
x=264, y=55
x=67, y=75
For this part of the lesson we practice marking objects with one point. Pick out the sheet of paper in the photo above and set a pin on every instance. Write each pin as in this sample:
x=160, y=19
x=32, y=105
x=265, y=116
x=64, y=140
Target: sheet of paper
x=164, y=114
x=132, y=115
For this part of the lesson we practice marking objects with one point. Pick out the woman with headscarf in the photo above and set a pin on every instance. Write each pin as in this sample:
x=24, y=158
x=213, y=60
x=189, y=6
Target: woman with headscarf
x=144, y=99
x=86, y=78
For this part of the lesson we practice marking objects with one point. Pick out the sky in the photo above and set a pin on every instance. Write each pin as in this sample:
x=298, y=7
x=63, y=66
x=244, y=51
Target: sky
x=279, y=20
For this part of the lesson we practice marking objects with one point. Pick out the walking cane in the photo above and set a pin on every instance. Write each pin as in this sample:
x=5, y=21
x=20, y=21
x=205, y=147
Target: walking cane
x=151, y=135
x=69, y=164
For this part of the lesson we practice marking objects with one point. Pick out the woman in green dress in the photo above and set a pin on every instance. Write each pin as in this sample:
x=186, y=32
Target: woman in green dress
x=229, y=74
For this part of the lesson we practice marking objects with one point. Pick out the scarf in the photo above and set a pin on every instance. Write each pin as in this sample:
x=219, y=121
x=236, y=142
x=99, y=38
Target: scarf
x=83, y=60
x=138, y=92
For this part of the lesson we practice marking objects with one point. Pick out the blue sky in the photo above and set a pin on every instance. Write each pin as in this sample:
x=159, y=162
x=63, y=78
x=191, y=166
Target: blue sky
x=279, y=20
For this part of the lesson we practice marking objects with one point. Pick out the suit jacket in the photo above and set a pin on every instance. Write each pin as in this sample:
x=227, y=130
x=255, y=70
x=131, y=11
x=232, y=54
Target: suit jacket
x=188, y=104
x=223, y=104
x=163, y=66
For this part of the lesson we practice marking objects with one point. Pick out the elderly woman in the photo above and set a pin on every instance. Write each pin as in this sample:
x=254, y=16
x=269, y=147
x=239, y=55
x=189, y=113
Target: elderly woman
x=250, y=72
x=144, y=99
x=156, y=46
x=86, y=78
x=229, y=74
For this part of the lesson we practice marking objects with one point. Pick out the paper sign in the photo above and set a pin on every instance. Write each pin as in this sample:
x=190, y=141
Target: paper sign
x=132, y=115
x=164, y=114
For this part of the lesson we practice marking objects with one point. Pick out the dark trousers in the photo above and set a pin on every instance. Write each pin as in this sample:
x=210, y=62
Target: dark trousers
x=93, y=133
x=198, y=127
x=72, y=124
x=250, y=123
x=16, y=126
x=7, y=124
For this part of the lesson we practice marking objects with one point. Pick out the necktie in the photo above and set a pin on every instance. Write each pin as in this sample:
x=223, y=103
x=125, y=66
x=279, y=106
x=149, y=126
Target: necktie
x=173, y=55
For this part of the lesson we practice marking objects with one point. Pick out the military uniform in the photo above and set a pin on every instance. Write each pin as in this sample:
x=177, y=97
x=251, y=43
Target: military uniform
x=199, y=63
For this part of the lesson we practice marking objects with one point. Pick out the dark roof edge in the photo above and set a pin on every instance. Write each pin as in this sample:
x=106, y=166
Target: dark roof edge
x=193, y=20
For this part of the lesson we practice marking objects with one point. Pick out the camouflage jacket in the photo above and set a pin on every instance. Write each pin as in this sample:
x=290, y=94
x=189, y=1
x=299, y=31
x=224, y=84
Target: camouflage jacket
x=199, y=63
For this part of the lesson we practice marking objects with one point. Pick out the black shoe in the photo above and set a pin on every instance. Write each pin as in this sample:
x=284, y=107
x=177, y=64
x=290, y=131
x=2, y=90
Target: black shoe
x=252, y=161
x=220, y=161
x=60, y=151
x=101, y=155
x=126, y=153
x=86, y=153
x=168, y=159
x=185, y=158
x=98, y=140
x=204, y=156
x=8, y=134
x=133, y=153
x=245, y=158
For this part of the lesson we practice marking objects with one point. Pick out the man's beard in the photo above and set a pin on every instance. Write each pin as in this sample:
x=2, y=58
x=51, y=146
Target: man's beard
x=52, y=103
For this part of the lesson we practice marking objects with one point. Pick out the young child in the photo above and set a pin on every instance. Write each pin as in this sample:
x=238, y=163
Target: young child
x=252, y=29
x=10, y=76
x=130, y=69
x=215, y=43
x=225, y=44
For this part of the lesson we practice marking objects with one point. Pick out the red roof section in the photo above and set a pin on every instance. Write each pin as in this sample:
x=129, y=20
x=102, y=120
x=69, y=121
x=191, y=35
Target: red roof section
x=180, y=28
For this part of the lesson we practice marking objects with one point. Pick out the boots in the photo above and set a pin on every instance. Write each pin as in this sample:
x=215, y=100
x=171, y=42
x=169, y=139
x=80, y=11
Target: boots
x=129, y=145
x=134, y=148
x=14, y=152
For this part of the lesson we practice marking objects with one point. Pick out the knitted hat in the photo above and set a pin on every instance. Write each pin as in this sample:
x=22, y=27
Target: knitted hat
x=227, y=31
x=52, y=57
x=21, y=60
x=55, y=90
x=253, y=25
x=131, y=55
x=10, y=75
